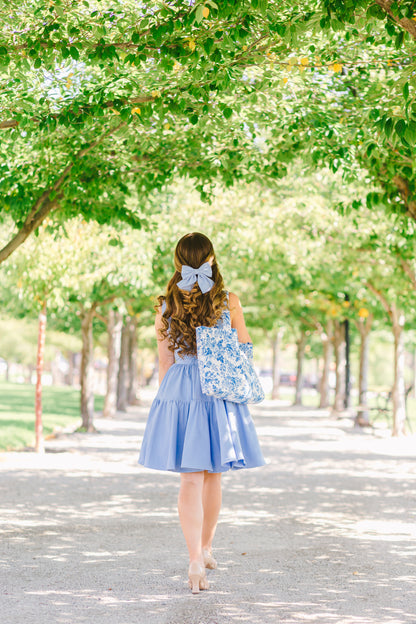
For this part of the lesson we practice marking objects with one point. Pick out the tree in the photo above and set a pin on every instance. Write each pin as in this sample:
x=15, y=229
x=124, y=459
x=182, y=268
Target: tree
x=34, y=282
x=98, y=103
x=89, y=66
x=383, y=248
x=77, y=271
x=364, y=324
x=114, y=327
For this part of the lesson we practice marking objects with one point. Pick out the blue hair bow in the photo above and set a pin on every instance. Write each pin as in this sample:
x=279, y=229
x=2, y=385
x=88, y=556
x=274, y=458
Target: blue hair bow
x=202, y=275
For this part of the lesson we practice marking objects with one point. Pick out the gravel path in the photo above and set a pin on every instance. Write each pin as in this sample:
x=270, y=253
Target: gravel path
x=325, y=533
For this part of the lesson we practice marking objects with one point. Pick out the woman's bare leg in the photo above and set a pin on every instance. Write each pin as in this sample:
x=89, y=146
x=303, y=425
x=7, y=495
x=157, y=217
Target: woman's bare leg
x=191, y=512
x=211, y=501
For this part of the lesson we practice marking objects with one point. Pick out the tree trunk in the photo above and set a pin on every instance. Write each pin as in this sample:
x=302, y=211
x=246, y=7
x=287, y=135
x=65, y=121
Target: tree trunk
x=39, y=443
x=87, y=371
x=114, y=326
x=363, y=415
x=69, y=377
x=347, y=391
x=133, y=372
x=276, y=340
x=327, y=340
x=406, y=23
x=399, y=390
x=123, y=371
x=339, y=346
x=300, y=356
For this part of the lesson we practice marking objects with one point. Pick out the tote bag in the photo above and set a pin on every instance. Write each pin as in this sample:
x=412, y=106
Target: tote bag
x=225, y=366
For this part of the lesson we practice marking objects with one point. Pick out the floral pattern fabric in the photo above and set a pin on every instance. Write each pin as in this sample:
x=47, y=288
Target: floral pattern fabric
x=226, y=365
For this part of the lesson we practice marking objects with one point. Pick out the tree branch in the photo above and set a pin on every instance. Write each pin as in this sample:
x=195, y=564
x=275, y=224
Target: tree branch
x=312, y=324
x=9, y=123
x=101, y=318
x=403, y=188
x=141, y=99
x=44, y=205
x=407, y=24
x=388, y=308
x=242, y=59
x=410, y=272
x=364, y=324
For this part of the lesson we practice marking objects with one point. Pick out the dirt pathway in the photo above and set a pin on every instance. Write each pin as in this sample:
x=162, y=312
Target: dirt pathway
x=325, y=533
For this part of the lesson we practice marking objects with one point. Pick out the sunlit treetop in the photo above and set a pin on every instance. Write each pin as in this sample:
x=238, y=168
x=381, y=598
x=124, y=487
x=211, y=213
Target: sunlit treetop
x=99, y=98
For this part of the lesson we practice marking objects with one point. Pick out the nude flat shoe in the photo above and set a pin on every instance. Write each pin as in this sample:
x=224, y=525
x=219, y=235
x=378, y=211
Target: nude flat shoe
x=197, y=577
x=209, y=560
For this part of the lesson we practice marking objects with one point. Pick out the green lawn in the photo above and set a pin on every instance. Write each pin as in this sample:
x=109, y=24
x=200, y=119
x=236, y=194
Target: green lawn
x=61, y=408
x=17, y=418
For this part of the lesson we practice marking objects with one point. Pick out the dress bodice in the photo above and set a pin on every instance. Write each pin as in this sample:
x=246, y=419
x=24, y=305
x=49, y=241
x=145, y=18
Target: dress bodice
x=223, y=321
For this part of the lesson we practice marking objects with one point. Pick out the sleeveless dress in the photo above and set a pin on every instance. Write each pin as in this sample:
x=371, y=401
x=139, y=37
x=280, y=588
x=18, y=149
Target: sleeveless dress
x=188, y=431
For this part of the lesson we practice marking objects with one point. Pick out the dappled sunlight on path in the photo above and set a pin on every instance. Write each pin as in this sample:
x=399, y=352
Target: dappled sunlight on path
x=324, y=534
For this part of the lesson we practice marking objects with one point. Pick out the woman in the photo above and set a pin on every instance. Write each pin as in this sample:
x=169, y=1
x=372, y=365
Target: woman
x=189, y=432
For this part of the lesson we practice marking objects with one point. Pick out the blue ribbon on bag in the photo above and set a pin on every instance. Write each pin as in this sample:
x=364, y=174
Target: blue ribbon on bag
x=202, y=275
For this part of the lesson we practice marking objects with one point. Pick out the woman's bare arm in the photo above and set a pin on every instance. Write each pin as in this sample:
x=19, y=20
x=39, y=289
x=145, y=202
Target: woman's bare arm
x=166, y=356
x=237, y=318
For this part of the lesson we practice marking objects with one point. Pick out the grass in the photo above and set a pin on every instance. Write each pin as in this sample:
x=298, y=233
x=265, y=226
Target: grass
x=17, y=417
x=61, y=409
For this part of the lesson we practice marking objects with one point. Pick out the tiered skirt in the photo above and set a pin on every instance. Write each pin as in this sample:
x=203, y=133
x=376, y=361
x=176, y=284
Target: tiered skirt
x=188, y=431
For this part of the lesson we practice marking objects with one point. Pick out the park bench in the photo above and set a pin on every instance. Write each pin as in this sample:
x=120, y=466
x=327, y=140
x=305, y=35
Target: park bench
x=383, y=407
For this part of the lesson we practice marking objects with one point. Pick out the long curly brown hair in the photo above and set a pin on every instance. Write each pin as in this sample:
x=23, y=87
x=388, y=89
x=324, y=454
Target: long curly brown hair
x=186, y=310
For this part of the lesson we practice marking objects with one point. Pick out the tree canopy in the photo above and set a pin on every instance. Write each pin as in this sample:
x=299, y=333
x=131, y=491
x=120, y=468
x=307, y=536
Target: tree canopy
x=101, y=101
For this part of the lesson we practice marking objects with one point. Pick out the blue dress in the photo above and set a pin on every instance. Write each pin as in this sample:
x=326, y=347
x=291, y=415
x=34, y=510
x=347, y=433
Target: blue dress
x=188, y=431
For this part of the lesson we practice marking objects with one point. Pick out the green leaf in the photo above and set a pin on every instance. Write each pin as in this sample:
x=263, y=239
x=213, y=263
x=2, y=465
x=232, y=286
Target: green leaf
x=125, y=114
x=263, y=6
x=208, y=43
x=410, y=134
x=399, y=40
x=227, y=112
x=400, y=127
x=199, y=13
x=73, y=51
x=388, y=127
x=406, y=91
x=216, y=57
x=193, y=119
x=376, y=11
x=37, y=63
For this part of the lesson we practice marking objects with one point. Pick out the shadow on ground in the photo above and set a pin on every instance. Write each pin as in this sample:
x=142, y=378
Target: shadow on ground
x=324, y=533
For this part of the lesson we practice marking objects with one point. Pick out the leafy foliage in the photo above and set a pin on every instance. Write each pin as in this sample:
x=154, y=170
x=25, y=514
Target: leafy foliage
x=101, y=101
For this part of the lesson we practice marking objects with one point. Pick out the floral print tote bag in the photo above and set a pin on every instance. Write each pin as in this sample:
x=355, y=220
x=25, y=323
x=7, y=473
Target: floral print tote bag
x=226, y=366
